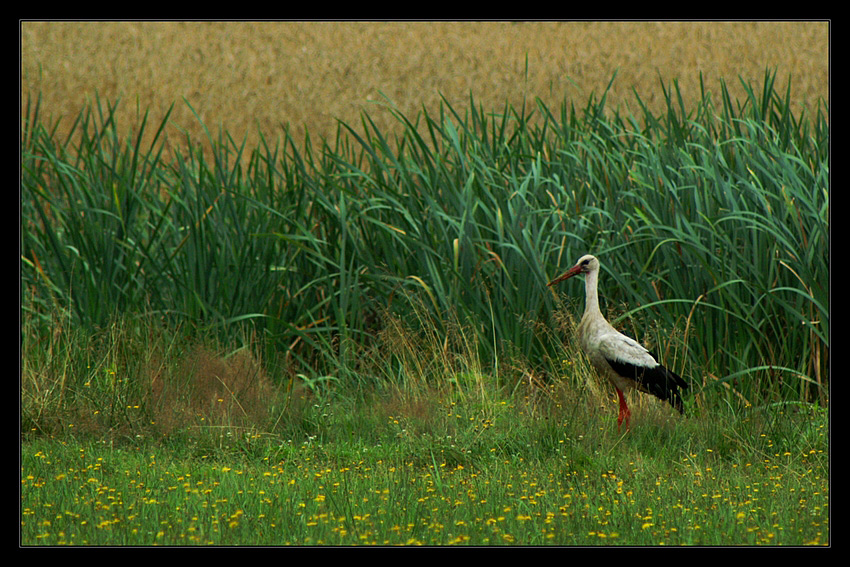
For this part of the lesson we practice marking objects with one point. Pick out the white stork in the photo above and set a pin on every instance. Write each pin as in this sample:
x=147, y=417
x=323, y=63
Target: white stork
x=621, y=359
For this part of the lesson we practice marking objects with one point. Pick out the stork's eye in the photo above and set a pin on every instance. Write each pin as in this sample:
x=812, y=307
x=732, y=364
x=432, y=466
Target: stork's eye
x=585, y=263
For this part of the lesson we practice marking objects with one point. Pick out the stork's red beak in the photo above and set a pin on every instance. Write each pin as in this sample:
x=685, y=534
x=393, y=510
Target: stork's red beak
x=570, y=273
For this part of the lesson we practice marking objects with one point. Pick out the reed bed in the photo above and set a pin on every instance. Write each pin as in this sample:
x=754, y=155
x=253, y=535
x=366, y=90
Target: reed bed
x=711, y=223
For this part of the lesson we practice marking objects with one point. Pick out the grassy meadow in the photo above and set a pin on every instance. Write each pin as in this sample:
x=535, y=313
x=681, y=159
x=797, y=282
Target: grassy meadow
x=341, y=334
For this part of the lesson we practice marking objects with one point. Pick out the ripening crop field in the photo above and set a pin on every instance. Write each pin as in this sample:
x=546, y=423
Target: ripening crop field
x=251, y=77
x=284, y=283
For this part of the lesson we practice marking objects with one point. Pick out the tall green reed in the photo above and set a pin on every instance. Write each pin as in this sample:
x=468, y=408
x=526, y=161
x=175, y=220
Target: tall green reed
x=712, y=223
x=109, y=227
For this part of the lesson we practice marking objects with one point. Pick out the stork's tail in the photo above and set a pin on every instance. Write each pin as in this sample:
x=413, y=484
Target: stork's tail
x=662, y=383
x=665, y=384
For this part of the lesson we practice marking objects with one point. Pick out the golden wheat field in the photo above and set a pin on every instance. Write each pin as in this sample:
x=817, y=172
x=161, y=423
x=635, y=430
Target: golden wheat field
x=251, y=77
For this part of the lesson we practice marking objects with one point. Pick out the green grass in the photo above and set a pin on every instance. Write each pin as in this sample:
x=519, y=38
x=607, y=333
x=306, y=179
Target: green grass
x=352, y=341
x=163, y=441
x=514, y=478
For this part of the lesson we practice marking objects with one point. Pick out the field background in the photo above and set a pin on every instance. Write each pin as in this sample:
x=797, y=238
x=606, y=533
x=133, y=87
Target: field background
x=245, y=76
x=374, y=395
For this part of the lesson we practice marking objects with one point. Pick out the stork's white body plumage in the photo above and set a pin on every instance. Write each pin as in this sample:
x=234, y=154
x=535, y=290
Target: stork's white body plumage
x=621, y=359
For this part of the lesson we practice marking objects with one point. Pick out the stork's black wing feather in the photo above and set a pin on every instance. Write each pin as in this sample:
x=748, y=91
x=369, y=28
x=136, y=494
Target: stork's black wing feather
x=662, y=383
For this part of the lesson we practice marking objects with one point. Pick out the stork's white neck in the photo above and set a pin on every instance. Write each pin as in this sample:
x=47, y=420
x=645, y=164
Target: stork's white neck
x=591, y=298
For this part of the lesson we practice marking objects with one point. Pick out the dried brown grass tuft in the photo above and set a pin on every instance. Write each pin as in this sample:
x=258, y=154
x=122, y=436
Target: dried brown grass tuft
x=211, y=390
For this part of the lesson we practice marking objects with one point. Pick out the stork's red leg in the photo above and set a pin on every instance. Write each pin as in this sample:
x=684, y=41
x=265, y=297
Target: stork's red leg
x=624, y=411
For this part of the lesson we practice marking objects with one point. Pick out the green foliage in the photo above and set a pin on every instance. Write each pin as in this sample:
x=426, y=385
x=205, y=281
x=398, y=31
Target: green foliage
x=522, y=477
x=711, y=224
x=353, y=343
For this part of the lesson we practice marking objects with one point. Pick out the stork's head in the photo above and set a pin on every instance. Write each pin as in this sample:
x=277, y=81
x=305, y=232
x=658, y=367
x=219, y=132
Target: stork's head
x=585, y=265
